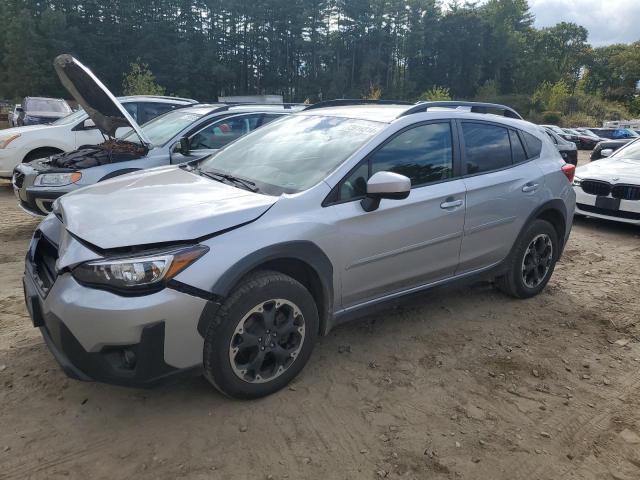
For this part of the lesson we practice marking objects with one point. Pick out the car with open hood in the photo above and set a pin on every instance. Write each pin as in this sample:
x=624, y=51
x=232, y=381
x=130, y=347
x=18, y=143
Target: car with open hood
x=610, y=188
x=24, y=144
x=232, y=265
x=174, y=137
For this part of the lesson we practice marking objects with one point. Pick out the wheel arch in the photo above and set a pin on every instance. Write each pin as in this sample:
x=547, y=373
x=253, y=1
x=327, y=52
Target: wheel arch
x=302, y=260
x=555, y=212
x=49, y=150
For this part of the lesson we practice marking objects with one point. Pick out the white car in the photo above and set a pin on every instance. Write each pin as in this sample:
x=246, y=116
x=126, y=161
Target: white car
x=23, y=144
x=610, y=188
x=13, y=116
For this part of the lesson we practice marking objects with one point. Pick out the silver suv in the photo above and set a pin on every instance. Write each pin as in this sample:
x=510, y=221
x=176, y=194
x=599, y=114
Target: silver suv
x=232, y=265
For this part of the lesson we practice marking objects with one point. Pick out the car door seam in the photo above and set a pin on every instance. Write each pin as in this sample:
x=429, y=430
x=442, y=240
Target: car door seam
x=408, y=248
x=486, y=226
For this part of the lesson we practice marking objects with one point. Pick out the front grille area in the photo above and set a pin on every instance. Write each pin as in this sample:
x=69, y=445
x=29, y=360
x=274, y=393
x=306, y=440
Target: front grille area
x=18, y=179
x=609, y=213
x=595, y=187
x=44, y=259
x=604, y=189
x=626, y=192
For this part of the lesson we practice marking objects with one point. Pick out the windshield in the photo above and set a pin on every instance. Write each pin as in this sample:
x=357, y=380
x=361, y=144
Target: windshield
x=630, y=151
x=46, y=105
x=74, y=117
x=293, y=154
x=162, y=129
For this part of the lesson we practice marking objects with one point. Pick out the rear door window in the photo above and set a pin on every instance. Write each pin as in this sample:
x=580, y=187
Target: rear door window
x=533, y=144
x=224, y=131
x=487, y=147
x=518, y=154
x=132, y=109
x=149, y=111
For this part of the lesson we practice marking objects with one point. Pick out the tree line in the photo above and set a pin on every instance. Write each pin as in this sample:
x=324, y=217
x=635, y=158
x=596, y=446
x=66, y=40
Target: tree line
x=321, y=49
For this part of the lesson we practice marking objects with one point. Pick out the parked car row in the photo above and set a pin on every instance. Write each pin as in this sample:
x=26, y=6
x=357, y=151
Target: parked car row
x=231, y=264
x=602, y=141
x=567, y=149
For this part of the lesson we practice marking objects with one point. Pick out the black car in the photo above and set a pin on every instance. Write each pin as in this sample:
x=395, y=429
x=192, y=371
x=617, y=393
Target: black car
x=39, y=110
x=568, y=150
x=615, y=138
x=570, y=137
x=586, y=139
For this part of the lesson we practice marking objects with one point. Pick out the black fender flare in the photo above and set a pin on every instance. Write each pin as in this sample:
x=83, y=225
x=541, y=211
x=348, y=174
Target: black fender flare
x=301, y=250
x=555, y=205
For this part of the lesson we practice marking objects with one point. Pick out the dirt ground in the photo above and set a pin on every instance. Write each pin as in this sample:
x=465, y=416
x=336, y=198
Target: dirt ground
x=458, y=383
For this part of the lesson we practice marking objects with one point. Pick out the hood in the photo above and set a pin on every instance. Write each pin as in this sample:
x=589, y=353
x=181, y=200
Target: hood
x=612, y=170
x=102, y=107
x=166, y=204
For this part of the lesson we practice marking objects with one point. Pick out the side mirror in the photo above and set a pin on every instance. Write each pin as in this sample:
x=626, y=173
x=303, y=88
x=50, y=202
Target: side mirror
x=385, y=185
x=606, y=152
x=88, y=124
x=183, y=146
x=19, y=110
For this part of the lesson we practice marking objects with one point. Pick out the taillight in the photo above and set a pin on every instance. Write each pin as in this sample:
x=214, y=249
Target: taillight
x=569, y=171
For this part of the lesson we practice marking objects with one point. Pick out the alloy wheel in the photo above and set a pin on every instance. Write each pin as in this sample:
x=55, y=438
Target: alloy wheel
x=537, y=260
x=267, y=341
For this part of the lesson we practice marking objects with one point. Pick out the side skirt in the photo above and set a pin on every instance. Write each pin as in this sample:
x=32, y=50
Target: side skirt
x=385, y=301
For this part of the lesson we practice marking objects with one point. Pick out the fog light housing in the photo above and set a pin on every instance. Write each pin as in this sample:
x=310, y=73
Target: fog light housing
x=129, y=359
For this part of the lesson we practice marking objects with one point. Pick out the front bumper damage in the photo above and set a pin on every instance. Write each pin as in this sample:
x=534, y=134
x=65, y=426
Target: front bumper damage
x=138, y=341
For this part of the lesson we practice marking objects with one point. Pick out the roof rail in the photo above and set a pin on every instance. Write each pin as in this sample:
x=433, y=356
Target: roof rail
x=476, y=107
x=340, y=102
x=229, y=105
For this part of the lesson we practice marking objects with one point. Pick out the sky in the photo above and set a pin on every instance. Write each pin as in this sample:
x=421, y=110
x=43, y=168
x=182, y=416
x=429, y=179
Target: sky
x=608, y=21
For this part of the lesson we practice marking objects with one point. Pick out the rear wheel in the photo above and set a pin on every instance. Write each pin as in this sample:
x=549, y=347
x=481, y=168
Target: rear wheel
x=261, y=337
x=532, y=261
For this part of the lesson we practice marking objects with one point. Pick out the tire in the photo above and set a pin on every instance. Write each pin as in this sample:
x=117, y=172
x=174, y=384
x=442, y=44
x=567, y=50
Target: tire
x=236, y=340
x=524, y=277
x=40, y=153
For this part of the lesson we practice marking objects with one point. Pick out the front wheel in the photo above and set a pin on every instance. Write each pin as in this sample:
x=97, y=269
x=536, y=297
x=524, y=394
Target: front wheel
x=261, y=337
x=531, y=262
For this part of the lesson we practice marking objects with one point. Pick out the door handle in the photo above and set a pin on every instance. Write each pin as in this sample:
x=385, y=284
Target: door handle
x=451, y=204
x=530, y=187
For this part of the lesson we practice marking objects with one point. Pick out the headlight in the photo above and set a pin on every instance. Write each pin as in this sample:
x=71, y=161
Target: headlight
x=576, y=181
x=5, y=141
x=57, y=179
x=145, y=272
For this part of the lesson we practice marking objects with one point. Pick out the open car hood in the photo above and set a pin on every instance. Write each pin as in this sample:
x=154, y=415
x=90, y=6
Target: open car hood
x=102, y=107
x=161, y=205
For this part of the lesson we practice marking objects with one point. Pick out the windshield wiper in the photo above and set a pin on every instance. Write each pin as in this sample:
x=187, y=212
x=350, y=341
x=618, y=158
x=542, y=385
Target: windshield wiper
x=246, y=184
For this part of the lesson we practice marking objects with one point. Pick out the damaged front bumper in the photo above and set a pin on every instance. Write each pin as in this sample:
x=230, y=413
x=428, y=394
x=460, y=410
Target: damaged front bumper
x=136, y=341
